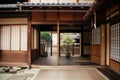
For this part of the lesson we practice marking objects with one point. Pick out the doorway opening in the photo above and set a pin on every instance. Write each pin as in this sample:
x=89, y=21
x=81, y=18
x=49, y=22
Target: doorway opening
x=47, y=46
x=70, y=48
x=53, y=53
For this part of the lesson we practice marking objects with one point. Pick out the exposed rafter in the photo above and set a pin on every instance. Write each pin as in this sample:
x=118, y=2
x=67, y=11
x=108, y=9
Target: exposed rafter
x=93, y=8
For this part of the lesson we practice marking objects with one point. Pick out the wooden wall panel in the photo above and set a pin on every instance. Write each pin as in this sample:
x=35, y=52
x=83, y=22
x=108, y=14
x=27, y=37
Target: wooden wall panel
x=42, y=17
x=66, y=16
x=96, y=50
x=13, y=56
x=115, y=65
x=95, y=53
x=51, y=16
x=37, y=16
x=34, y=54
x=79, y=16
x=95, y=59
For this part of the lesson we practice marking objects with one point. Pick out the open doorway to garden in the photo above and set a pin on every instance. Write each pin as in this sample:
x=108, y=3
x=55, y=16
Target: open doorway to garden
x=47, y=46
x=71, y=48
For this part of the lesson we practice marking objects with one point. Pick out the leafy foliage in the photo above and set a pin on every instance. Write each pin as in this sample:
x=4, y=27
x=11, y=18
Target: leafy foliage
x=46, y=37
x=67, y=42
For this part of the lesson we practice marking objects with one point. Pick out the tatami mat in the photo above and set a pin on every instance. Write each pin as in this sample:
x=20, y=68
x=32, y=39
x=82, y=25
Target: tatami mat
x=70, y=74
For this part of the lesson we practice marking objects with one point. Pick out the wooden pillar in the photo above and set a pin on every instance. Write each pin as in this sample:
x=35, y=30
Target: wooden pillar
x=102, y=38
x=58, y=42
x=29, y=43
x=51, y=44
x=107, y=44
x=39, y=42
x=82, y=42
x=73, y=50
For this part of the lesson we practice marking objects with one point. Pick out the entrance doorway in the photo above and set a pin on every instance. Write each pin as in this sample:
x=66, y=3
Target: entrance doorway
x=70, y=48
x=48, y=48
x=55, y=56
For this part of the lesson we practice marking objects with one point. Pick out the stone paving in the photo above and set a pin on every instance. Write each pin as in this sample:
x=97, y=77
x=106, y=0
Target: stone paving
x=20, y=75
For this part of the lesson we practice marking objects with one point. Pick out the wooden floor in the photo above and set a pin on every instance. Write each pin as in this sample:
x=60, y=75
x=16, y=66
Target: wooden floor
x=52, y=60
x=49, y=60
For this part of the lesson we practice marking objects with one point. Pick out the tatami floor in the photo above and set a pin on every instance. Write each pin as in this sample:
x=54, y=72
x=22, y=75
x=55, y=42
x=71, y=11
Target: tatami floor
x=70, y=74
x=62, y=73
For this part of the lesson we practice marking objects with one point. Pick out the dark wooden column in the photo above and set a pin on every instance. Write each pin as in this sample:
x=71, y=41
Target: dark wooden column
x=39, y=42
x=82, y=42
x=51, y=43
x=29, y=42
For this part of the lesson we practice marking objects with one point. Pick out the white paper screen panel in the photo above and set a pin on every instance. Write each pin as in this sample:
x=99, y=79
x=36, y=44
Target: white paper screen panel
x=24, y=37
x=96, y=36
x=115, y=42
x=15, y=38
x=5, y=38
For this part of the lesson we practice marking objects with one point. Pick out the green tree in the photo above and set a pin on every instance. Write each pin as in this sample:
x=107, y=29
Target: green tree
x=67, y=42
x=46, y=39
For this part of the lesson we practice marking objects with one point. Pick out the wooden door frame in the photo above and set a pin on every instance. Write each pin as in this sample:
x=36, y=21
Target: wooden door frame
x=58, y=42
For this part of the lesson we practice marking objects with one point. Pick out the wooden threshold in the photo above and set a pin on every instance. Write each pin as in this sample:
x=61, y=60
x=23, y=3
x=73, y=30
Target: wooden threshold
x=64, y=66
